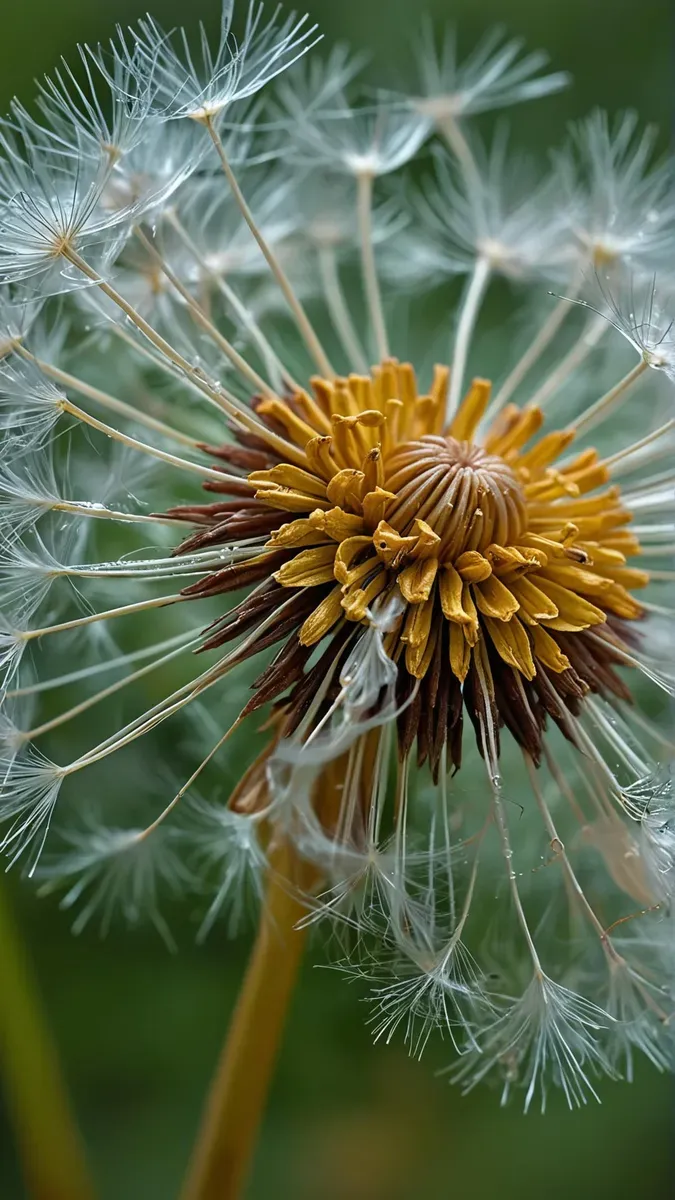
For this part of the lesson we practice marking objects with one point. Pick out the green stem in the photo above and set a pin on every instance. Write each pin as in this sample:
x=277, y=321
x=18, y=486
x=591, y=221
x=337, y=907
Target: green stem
x=222, y=1154
x=48, y=1141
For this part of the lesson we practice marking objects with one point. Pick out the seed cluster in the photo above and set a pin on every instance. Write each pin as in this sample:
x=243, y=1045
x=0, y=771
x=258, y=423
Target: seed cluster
x=510, y=574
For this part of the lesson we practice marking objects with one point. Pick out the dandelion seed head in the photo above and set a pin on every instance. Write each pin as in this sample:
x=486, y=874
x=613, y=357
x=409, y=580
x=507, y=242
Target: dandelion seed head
x=492, y=76
x=246, y=485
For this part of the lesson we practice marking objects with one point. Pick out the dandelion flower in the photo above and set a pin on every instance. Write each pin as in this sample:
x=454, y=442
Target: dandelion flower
x=447, y=601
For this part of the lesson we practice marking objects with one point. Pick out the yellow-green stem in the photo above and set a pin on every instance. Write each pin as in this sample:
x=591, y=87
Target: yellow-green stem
x=48, y=1141
x=238, y=1096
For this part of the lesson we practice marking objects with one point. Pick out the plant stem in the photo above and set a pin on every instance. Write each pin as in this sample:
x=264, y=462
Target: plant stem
x=301, y=319
x=450, y=129
x=545, y=335
x=236, y=1103
x=468, y=315
x=371, y=283
x=48, y=1140
x=339, y=311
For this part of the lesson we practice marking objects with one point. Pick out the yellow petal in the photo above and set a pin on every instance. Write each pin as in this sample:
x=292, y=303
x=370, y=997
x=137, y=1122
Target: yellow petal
x=471, y=627
x=374, y=506
x=512, y=644
x=358, y=599
x=471, y=410
x=629, y=577
x=288, y=476
x=577, y=578
x=303, y=532
x=427, y=541
x=622, y=604
x=308, y=569
x=390, y=546
x=547, y=546
x=417, y=631
x=356, y=435
x=439, y=394
x=320, y=457
x=355, y=575
x=473, y=567
x=391, y=434
x=546, y=450
x=571, y=608
x=534, y=603
x=418, y=623
x=460, y=653
x=288, y=499
x=361, y=388
x=373, y=469
x=418, y=658
x=417, y=580
x=494, y=599
x=297, y=429
x=322, y=618
x=346, y=553
x=312, y=412
x=450, y=592
x=517, y=429
x=602, y=556
x=338, y=524
x=345, y=488
x=548, y=651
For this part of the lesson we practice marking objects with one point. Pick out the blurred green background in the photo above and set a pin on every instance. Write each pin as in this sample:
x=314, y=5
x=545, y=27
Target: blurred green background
x=139, y=1028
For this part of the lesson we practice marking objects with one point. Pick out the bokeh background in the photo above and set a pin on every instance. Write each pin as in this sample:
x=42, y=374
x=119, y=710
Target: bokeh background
x=138, y=1027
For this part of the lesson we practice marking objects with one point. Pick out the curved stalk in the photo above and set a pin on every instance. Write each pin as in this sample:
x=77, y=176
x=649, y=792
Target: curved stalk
x=468, y=315
x=371, y=284
x=339, y=311
x=301, y=319
x=531, y=356
x=238, y=1095
x=450, y=129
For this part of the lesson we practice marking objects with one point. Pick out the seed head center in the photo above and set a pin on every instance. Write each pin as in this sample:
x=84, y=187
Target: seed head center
x=469, y=497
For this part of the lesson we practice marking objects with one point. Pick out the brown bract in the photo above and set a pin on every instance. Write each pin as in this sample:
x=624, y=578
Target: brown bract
x=508, y=550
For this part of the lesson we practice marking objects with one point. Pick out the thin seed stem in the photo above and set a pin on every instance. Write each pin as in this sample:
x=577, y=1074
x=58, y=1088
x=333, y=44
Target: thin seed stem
x=198, y=314
x=48, y=1140
x=371, y=285
x=468, y=316
x=607, y=403
x=135, y=317
x=452, y=132
x=577, y=890
x=107, y=401
x=264, y=345
x=532, y=354
x=29, y=635
x=172, y=459
x=236, y=1102
x=503, y=828
x=176, y=701
x=142, y=348
x=154, y=825
x=338, y=310
x=216, y=393
x=645, y=441
x=111, y=514
x=301, y=319
x=590, y=336
x=109, y=664
x=32, y=734
x=201, y=561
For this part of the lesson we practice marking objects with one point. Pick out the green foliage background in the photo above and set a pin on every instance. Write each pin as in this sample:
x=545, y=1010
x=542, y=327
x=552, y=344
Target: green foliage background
x=139, y=1028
